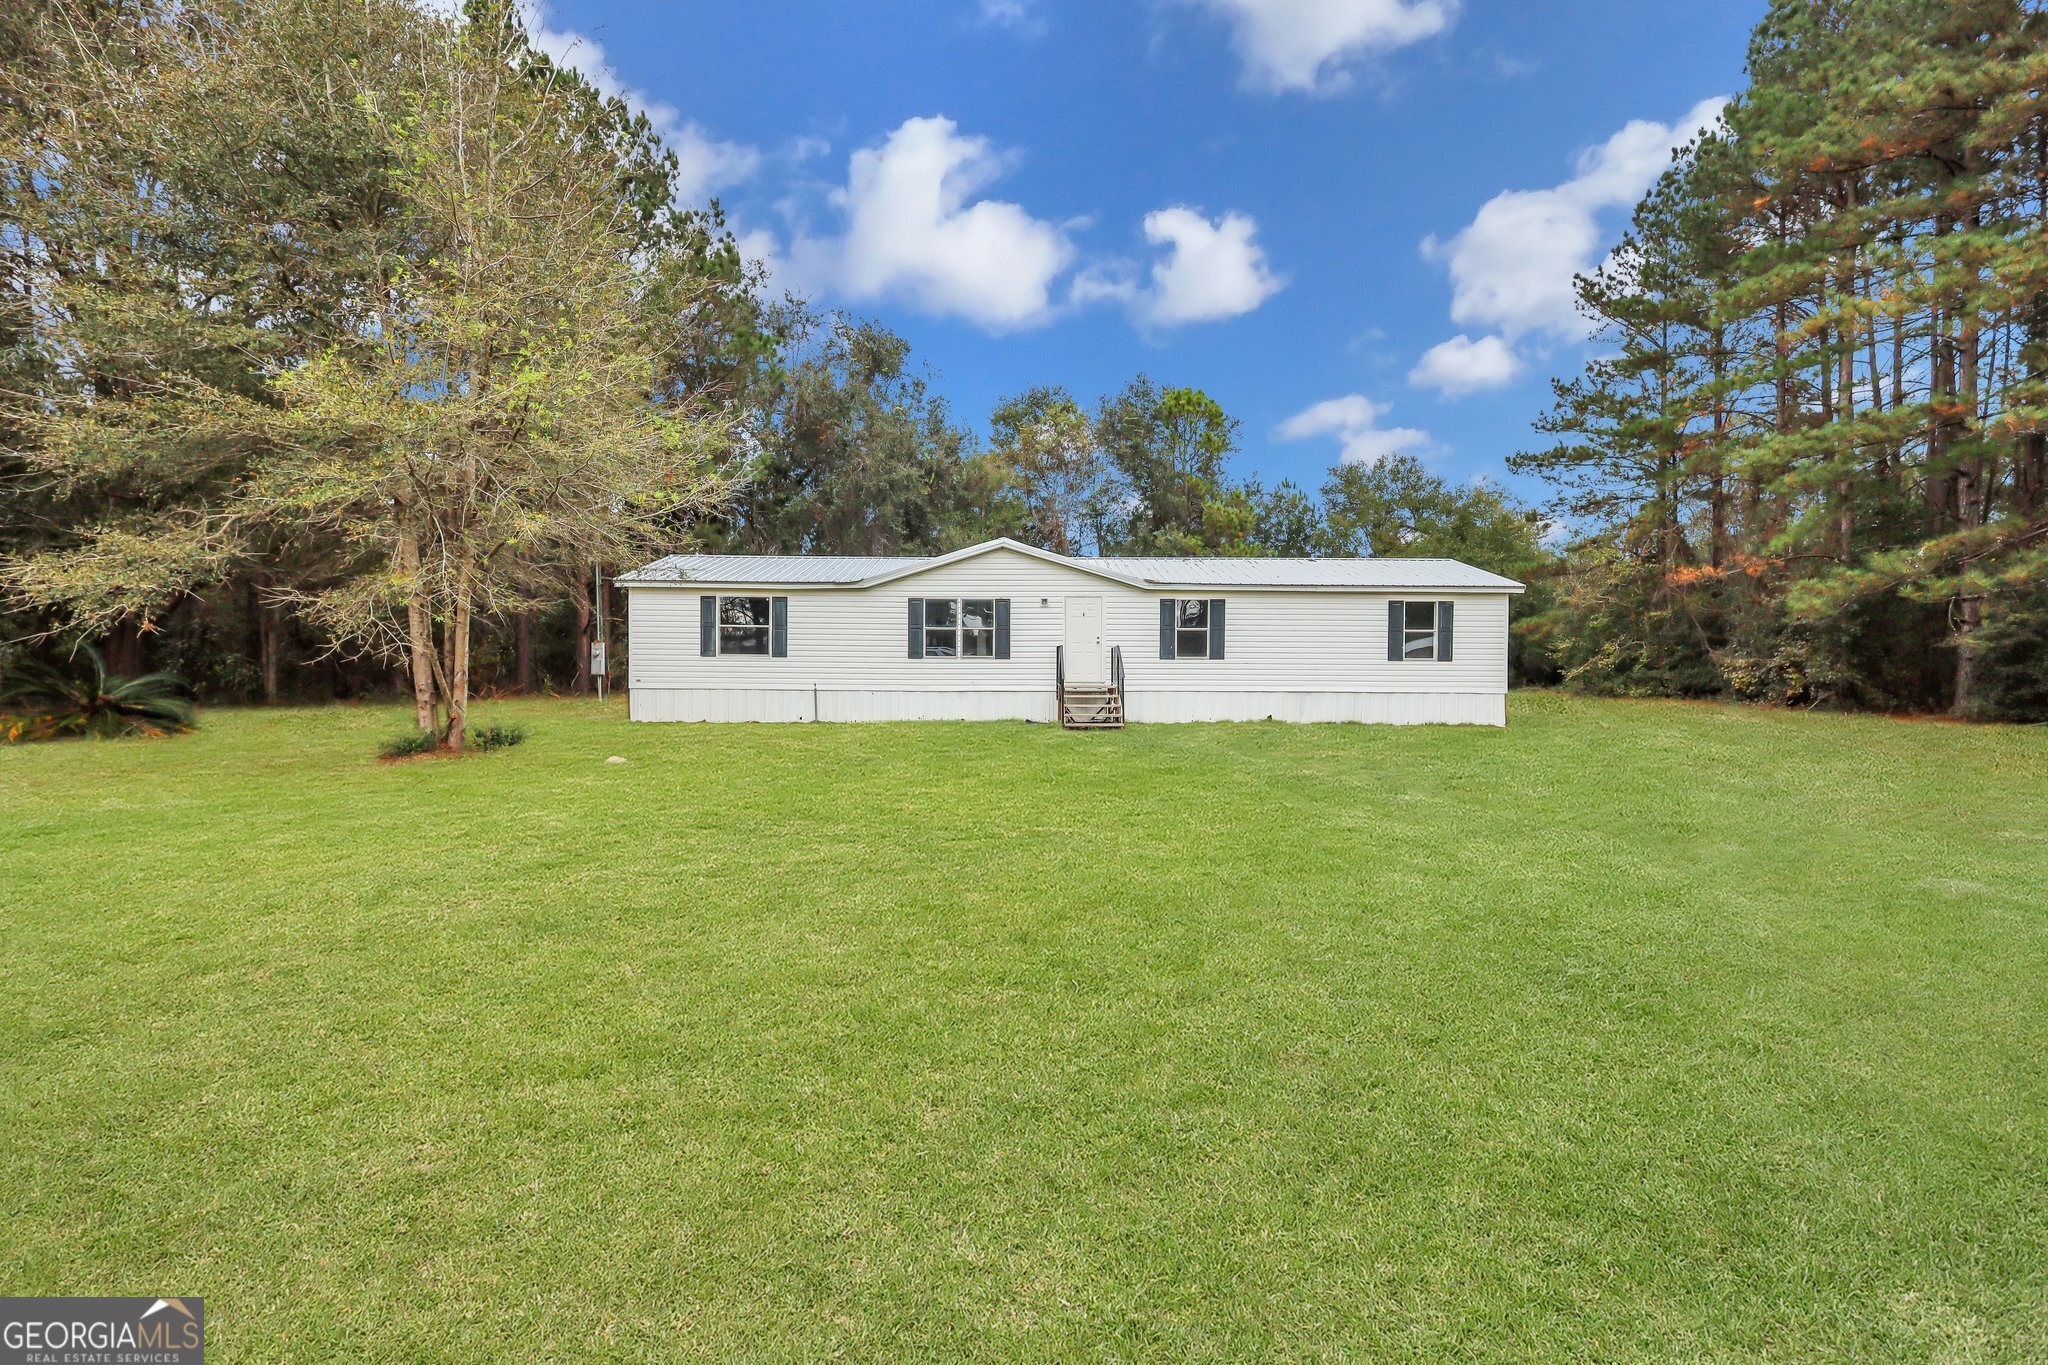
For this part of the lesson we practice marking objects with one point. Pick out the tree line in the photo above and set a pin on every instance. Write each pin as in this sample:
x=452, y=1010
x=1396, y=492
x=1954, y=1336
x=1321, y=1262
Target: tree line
x=1811, y=464
x=345, y=349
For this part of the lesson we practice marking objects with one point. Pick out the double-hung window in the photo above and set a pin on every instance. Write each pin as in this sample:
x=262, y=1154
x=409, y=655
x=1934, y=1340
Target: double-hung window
x=1418, y=634
x=742, y=625
x=959, y=628
x=1419, y=631
x=1191, y=627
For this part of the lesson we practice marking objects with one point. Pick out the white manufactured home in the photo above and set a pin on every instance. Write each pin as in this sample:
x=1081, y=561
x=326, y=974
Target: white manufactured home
x=1004, y=631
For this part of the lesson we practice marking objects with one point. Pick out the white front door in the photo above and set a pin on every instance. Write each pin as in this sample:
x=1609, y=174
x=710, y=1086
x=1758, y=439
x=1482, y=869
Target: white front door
x=1086, y=658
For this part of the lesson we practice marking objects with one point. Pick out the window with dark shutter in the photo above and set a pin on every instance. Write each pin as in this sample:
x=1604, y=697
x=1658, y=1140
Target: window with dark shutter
x=707, y=626
x=1419, y=631
x=778, y=627
x=743, y=625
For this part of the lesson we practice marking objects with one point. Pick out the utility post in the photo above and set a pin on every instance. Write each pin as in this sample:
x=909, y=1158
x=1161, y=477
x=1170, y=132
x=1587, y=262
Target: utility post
x=600, y=655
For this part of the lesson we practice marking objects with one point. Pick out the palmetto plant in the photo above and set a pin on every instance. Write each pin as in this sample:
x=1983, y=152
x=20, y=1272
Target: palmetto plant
x=43, y=701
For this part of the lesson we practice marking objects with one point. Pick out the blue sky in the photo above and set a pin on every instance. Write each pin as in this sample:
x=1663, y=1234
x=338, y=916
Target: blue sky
x=1353, y=222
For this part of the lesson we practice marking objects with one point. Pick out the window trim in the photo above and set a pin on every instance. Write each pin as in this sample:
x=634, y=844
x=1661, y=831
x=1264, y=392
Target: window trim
x=720, y=626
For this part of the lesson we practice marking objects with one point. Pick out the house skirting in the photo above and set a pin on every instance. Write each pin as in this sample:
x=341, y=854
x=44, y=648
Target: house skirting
x=870, y=704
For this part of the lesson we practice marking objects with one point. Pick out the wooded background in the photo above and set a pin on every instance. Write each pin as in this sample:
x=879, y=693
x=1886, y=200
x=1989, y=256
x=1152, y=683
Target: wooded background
x=343, y=347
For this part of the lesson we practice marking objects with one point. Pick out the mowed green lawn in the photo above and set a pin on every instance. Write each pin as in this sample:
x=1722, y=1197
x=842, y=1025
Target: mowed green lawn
x=1633, y=1031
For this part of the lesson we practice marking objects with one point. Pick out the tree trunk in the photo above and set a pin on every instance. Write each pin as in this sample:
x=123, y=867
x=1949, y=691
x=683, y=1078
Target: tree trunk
x=580, y=680
x=1942, y=430
x=1970, y=478
x=270, y=648
x=122, y=648
x=522, y=651
x=1899, y=349
x=458, y=669
x=1763, y=524
x=252, y=605
x=1717, y=486
x=1845, y=391
x=419, y=627
x=2030, y=476
x=1969, y=615
x=604, y=626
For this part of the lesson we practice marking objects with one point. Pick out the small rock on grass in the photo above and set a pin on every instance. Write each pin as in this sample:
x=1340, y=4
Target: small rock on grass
x=615, y=759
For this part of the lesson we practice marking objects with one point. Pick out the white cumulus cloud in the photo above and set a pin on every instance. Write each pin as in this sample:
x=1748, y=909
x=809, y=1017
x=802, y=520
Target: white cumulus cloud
x=1211, y=270
x=1354, y=420
x=1462, y=365
x=1310, y=45
x=1511, y=268
x=915, y=231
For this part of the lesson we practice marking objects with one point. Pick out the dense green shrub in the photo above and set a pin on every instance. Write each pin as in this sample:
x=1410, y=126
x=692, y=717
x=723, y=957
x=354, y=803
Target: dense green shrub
x=2012, y=661
x=480, y=740
x=411, y=744
x=487, y=737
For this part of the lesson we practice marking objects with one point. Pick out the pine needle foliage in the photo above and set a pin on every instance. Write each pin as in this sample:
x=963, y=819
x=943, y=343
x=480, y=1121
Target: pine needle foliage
x=1811, y=464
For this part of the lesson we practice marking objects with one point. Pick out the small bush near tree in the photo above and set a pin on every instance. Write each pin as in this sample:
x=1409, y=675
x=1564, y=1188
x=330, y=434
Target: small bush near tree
x=496, y=737
x=411, y=744
x=40, y=700
x=483, y=738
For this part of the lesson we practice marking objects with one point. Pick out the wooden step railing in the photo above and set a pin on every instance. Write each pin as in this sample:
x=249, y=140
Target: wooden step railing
x=1090, y=706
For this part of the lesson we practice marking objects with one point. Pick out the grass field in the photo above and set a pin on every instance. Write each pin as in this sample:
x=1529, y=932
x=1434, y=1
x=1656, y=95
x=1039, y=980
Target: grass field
x=1633, y=1031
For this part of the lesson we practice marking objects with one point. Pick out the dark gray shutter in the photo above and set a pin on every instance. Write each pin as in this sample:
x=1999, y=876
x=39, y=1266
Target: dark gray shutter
x=1443, y=630
x=1002, y=627
x=1215, y=627
x=778, y=627
x=917, y=627
x=1166, y=610
x=1397, y=620
x=707, y=626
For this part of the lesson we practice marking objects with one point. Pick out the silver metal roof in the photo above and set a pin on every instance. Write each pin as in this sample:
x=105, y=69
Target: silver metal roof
x=1218, y=572
x=770, y=568
x=1309, y=573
